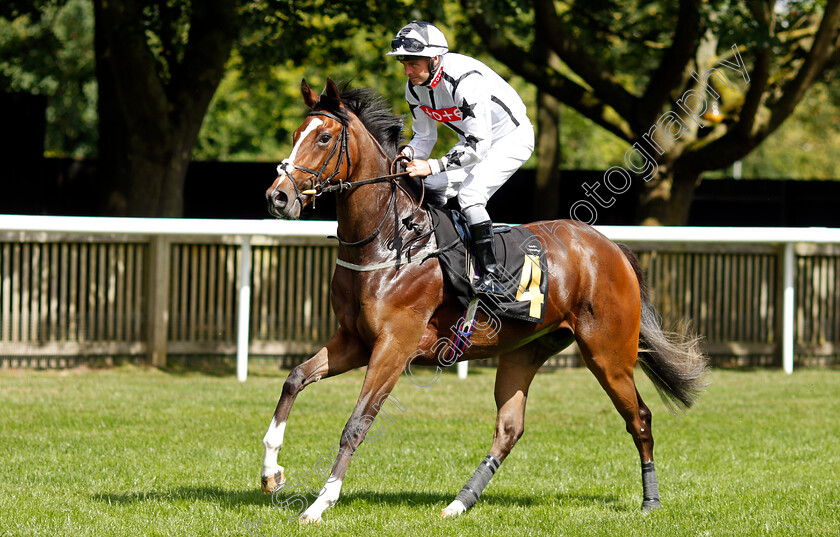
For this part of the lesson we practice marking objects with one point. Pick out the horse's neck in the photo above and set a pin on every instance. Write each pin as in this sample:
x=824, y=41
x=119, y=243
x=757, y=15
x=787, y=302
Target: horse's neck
x=369, y=210
x=361, y=209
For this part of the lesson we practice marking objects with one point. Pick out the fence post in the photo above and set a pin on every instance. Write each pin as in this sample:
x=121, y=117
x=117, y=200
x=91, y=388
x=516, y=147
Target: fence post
x=244, y=310
x=157, y=310
x=788, y=308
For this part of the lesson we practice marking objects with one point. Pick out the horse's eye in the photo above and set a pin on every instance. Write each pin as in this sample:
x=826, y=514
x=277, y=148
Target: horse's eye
x=324, y=138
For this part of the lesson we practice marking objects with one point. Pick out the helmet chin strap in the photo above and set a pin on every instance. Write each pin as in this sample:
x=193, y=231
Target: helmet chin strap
x=433, y=65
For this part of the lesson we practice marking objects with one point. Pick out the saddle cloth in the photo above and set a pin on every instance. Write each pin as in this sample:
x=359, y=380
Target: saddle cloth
x=521, y=266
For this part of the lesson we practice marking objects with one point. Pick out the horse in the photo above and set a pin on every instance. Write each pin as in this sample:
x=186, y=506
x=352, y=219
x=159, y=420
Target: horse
x=394, y=310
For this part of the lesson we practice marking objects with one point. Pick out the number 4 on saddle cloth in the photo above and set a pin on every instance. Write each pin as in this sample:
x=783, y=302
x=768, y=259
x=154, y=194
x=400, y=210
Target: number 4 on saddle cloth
x=521, y=266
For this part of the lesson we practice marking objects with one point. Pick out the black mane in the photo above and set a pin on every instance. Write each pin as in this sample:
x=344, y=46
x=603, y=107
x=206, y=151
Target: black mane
x=373, y=111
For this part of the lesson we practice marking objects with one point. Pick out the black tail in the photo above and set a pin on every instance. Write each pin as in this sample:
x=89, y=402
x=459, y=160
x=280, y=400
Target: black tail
x=672, y=360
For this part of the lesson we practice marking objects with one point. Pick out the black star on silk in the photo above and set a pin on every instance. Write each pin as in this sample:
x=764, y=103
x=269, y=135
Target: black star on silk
x=471, y=141
x=466, y=109
x=454, y=157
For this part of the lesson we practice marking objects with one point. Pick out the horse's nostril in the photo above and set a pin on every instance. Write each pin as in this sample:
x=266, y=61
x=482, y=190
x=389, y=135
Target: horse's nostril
x=280, y=200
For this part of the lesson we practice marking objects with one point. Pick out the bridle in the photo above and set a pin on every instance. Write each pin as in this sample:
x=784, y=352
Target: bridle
x=321, y=185
x=318, y=181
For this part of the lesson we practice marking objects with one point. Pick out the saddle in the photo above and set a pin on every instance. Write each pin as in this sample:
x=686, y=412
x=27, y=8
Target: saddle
x=521, y=266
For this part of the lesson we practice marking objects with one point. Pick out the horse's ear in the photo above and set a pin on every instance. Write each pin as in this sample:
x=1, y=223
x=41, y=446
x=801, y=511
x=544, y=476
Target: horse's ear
x=309, y=96
x=332, y=90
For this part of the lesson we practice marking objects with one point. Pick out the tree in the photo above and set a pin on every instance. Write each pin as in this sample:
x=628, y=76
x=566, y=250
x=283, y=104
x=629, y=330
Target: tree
x=258, y=105
x=805, y=146
x=690, y=86
x=46, y=48
x=547, y=188
x=158, y=64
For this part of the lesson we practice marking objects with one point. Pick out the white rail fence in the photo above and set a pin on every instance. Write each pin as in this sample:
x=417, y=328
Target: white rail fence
x=157, y=287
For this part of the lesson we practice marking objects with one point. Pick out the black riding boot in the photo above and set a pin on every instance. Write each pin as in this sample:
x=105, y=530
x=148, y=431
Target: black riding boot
x=485, y=257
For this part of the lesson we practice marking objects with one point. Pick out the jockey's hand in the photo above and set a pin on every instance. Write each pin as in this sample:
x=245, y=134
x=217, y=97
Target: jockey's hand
x=418, y=168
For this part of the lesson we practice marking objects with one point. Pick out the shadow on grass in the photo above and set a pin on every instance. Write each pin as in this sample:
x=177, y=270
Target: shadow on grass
x=227, y=498
x=430, y=500
x=441, y=500
x=213, y=366
x=225, y=366
x=608, y=501
x=231, y=498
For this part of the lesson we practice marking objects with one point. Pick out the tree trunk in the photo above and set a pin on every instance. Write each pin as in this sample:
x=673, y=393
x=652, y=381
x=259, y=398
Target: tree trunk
x=547, y=190
x=142, y=171
x=150, y=114
x=666, y=199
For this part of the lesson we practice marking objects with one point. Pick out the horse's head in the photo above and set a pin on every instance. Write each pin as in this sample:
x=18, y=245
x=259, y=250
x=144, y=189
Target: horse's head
x=349, y=133
x=320, y=154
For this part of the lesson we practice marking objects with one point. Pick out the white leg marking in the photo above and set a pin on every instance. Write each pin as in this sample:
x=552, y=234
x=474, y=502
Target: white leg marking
x=273, y=441
x=326, y=499
x=453, y=509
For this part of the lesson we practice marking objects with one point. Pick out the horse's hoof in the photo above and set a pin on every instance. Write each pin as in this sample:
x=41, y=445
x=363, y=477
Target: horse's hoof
x=273, y=483
x=306, y=519
x=651, y=505
x=454, y=509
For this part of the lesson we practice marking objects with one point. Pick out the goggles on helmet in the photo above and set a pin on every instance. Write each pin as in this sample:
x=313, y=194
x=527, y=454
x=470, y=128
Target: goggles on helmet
x=409, y=44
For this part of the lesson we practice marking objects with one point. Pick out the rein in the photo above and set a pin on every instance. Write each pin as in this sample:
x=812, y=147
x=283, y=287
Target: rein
x=345, y=185
x=397, y=242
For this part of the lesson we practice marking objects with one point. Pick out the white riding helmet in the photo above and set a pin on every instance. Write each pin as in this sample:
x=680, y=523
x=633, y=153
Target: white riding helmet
x=419, y=38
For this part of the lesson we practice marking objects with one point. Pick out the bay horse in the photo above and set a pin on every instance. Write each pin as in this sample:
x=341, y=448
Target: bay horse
x=393, y=311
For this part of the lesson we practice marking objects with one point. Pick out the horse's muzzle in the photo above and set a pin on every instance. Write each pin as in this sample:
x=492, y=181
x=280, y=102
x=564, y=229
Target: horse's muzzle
x=282, y=203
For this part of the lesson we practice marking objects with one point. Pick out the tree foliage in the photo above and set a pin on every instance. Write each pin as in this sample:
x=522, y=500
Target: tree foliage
x=46, y=48
x=258, y=104
x=805, y=146
x=642, y=68
x=623, y=65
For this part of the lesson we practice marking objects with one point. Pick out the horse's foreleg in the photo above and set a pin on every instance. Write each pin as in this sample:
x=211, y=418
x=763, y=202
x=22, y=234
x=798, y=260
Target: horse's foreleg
x=340, y=355
x=513, y=377
x=386, y=365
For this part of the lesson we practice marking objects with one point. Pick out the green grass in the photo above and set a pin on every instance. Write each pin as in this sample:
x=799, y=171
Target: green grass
x=134, y=451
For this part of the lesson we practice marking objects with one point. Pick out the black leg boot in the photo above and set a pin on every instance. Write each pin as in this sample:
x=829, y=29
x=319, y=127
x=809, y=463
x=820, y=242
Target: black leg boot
x=485, y=257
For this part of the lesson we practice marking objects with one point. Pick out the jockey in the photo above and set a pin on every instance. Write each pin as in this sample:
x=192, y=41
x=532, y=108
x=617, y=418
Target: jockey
x=495, y=136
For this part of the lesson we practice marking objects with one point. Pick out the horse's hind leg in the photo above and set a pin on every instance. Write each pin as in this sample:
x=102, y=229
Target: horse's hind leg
x=650, y=486
x=341, y=354
x=614, y=371
x=513, y=378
